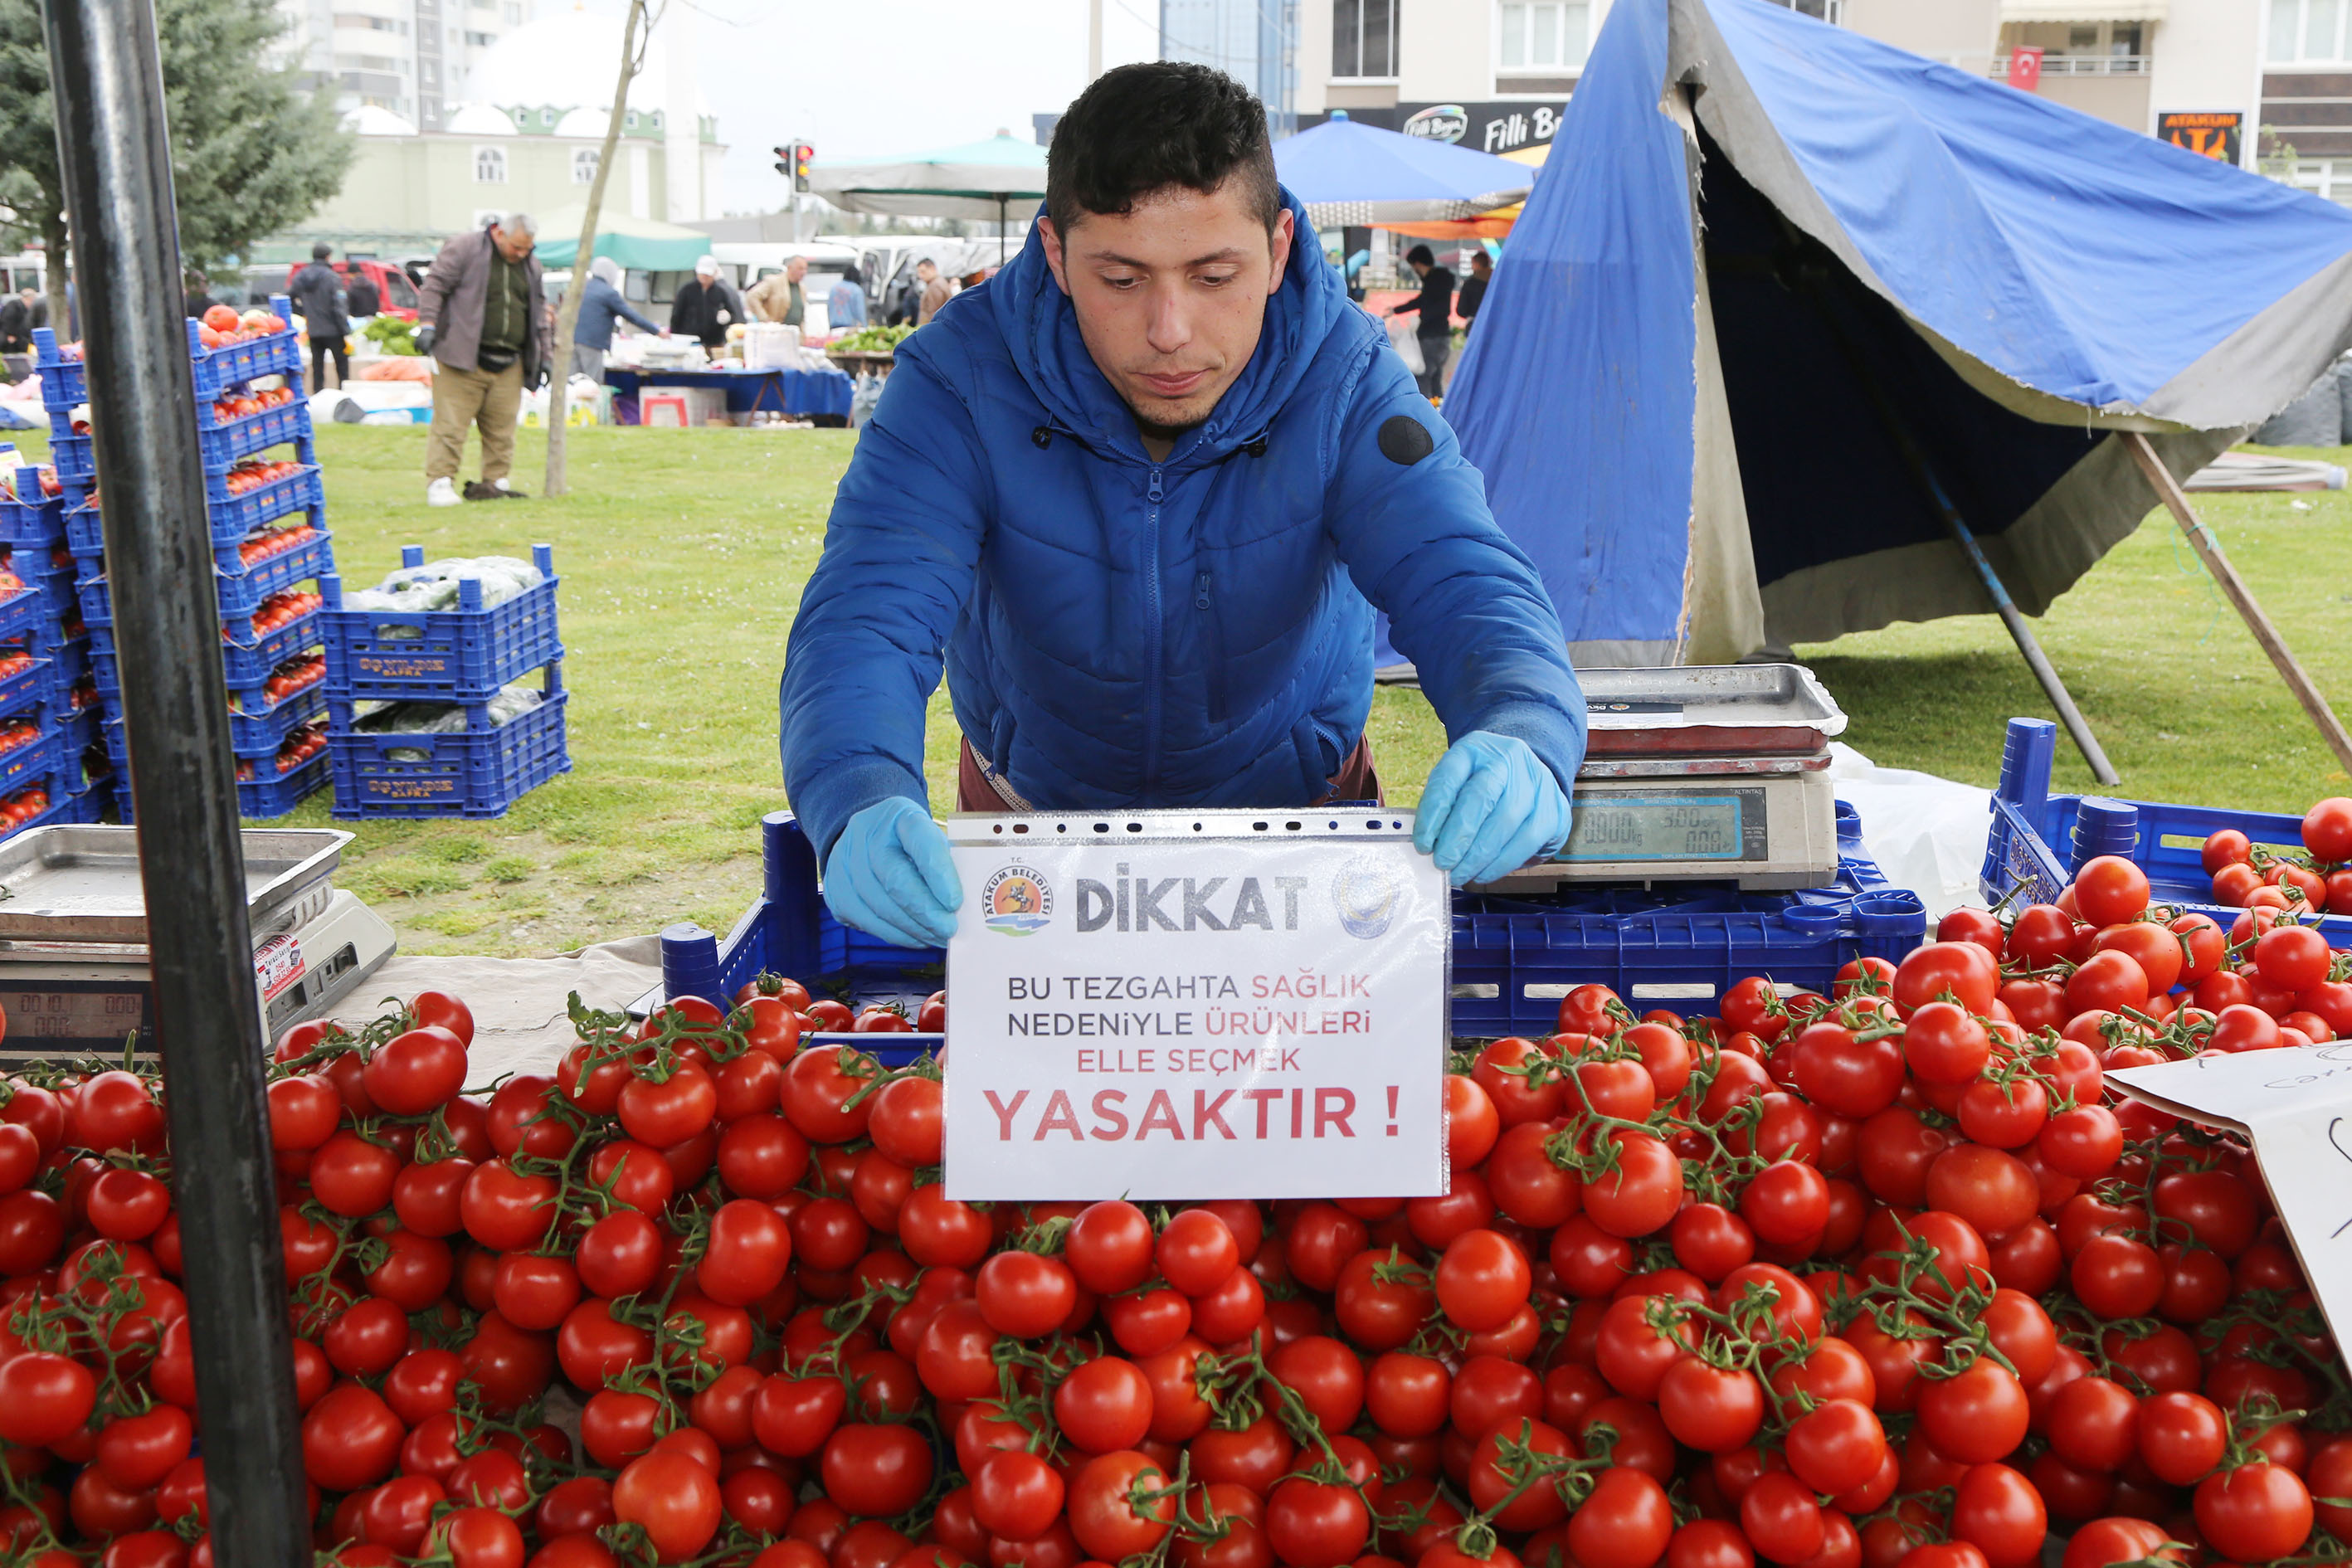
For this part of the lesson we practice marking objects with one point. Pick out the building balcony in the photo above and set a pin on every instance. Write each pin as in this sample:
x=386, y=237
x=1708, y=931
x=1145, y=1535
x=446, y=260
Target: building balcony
x=2082, y=64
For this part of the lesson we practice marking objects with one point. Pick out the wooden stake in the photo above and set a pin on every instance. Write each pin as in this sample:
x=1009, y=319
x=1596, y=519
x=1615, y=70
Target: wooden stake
x=2209, y=550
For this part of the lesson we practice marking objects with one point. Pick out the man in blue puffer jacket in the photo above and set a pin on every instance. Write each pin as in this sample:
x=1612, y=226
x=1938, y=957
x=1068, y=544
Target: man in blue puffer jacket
x=1140, y=493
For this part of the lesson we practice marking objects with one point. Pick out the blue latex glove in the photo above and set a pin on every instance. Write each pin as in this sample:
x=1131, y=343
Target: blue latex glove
x=889, y=874
x=1490, y=807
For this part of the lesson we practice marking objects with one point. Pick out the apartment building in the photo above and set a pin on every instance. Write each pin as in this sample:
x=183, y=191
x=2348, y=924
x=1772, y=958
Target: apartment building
x=2265, y=84
x=414, y=59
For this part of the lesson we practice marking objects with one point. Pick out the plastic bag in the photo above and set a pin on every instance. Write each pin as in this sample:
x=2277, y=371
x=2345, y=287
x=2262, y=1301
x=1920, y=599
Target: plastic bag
x=421, y=590
x=439, y=719
x=1408, y=347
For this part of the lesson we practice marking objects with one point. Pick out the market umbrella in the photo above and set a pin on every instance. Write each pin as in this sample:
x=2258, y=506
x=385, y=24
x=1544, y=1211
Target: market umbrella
x=998, y=178
x=647, y=244
x=1495, y=225
x=1348, y=172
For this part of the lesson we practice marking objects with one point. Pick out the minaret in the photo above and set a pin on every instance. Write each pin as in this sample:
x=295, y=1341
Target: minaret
x=682, y=122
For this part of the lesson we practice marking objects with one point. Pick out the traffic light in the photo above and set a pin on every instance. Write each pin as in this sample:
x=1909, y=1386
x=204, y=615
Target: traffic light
x=802, y=156
x=783, y=161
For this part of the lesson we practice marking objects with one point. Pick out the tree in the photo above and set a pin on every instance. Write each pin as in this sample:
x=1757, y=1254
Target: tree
x=634, y=34
x=252, y=152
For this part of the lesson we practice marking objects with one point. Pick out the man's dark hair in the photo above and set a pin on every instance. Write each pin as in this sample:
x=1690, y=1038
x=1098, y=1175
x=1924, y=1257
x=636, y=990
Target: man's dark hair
x=1480, y=258
x=1144, y=127
x=1421, y=255
x=322, y=250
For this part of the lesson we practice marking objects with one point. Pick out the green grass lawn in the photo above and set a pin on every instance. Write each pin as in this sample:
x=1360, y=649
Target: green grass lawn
x=682, y=555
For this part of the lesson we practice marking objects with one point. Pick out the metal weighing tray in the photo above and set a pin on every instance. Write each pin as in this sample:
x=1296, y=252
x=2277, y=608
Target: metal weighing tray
x=81, y=883
x=1720, y=710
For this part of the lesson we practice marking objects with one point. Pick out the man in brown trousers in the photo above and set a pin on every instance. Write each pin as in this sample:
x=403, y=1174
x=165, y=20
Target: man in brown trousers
x=483, y=318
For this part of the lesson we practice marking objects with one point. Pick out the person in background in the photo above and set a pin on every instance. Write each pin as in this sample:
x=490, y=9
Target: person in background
x=1474, y=292
x=195, y=299
x=318, y=300
x=1435, y=329
x=778, y=297
x=937, y=290
x=17, y=334
x=845, y=304
x=482, y=315
x=705, y=308
x=363, y=297
x=592, y=333
x=1354, y=270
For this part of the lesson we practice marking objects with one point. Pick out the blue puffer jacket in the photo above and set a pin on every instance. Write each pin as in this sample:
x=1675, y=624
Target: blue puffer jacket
x=1119, y=632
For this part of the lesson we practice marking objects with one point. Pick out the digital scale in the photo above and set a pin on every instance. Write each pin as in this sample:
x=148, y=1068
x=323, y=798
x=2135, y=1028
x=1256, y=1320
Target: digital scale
x=73, y=937
x=1702, y=773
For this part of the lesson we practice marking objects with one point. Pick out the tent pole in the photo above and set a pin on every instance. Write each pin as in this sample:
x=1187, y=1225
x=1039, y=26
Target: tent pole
x=2209, y=551
x=999, y=228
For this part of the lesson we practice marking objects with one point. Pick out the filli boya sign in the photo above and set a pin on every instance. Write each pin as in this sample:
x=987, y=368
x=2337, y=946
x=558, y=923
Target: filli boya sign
x=1196, y=1004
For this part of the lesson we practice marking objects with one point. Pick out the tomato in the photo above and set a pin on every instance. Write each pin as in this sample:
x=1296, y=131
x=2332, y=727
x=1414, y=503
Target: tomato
x=1836, y=1446
x=44, y=1398
x=1998, y=1511
x=1109, y=1247
x=1626, y=1522
x=2254, y=1513
x=2117, y=1277
x=2112, y=981
x=351, y=1176
x=670, y=1111
x=2109, y=890
x=1027, y=1296
x=412, y=1073
x=1640, y=1192
x=1104, y=1405
x=1471, y=1122
x=351, y=1438
x=1196, y=1251
x=750, y=1247
x=1016, y=1495
x=1104, y=1515
x=906, y=1122
x=2326, y=830
x=1853, y=1077
x=675, y=1499
x=503, y=1209
x=819, y=1084
x=1977, y=1416
x=1710, y=1409
x=1482, y=1280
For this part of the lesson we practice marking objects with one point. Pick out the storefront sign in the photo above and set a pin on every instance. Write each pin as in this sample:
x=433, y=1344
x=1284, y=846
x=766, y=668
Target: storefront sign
x=2214, y=134
x=1204, y=1004
x=1503, y=126
x=2296, y=1107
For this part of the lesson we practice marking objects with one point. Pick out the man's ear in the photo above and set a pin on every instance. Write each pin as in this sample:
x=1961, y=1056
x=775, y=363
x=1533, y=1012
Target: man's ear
x=1283, y=229
x=1055, y=258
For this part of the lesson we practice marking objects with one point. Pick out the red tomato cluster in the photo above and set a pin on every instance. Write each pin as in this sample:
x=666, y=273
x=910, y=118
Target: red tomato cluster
x=2252, y=876
x=255, y=472
x=18, y=733
x=244, y=405
x=299, y=673
x=48, y=484
x=1884, y=1278
x=222, y=325
x=300, y=748
x=280, y=610
x=22, y=807
x=13, y=662
x=274, y=542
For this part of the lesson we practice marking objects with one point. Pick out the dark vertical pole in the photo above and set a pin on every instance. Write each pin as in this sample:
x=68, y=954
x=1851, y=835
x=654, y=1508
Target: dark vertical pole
x=106, y=81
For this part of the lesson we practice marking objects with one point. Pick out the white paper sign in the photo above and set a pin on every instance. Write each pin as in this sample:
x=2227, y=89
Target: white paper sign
x=2296, y=1107
x=1196, y=1004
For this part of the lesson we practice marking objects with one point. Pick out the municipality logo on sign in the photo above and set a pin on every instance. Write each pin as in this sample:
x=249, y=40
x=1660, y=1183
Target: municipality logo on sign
x=1367, y=894
x=1016, y=900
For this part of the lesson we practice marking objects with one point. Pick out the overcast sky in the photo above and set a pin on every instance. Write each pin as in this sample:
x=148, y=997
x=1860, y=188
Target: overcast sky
x=878, y=77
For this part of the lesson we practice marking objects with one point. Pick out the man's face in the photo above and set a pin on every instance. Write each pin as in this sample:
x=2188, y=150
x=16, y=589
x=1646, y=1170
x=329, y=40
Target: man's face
x=513, y=246
x=1171, y=298
x=926, y=272
x=706, y=278
x=796, y=268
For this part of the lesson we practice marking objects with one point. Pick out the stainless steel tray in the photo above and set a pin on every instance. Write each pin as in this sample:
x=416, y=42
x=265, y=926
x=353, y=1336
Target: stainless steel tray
x=81, y=883
x=1710, y=696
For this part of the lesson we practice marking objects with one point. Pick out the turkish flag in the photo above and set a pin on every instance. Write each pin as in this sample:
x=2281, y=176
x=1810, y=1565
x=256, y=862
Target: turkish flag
x=2025, y=69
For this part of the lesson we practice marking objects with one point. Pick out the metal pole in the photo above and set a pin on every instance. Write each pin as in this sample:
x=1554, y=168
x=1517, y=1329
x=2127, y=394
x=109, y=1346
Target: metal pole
x=1094, y=39
x=106, y=82
x=2209, y=550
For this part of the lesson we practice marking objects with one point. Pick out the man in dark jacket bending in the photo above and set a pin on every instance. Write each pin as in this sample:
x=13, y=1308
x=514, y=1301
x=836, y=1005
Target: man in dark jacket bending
x=1141, y=491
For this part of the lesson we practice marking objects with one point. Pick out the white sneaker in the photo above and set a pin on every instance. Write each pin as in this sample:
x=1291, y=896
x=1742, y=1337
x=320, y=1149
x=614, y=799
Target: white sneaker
x=441, y=492
x=501, y=484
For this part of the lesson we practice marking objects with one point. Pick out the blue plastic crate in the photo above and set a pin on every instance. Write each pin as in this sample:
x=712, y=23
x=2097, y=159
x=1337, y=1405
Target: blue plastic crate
x=232, y=518
x=240, y=592
x=31, y=761
x=28, y=688
x=245, y=664
x=38, y=566
x=66, y=382
x=66, y=804
x=267, y=794
x=254, y=732
x=1514, y=959
x=2030, y=856
x=92, y=803
x=23, y=613
x=35, y=524
x=479, y=772
x=463, y=655
x=224, y=443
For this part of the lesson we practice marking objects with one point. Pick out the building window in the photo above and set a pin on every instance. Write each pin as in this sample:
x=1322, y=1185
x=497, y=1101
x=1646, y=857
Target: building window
x=2307, y=31
x=481, y=40
x=490, y=166
x=1364, y=38
x=1545, y=35
x=513, y=15
x=583, y=164
x=2328, y=177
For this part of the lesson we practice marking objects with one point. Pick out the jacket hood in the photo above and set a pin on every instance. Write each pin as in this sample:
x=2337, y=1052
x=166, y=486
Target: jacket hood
x=1040, y=330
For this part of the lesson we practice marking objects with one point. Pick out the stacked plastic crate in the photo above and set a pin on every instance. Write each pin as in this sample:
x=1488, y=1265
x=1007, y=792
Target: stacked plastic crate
x=52, y=768
x=270, y=538
x=444, y=666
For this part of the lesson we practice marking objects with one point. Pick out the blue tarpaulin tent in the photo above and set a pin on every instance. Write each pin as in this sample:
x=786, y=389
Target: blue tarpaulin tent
x=1763, y=248
x=1350, y=172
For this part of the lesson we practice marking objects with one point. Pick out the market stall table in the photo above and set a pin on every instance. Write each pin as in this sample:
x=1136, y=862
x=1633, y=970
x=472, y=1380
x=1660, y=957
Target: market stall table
x=769, y=391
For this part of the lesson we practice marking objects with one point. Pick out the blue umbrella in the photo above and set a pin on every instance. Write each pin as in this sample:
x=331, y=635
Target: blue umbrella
x=1348, y=172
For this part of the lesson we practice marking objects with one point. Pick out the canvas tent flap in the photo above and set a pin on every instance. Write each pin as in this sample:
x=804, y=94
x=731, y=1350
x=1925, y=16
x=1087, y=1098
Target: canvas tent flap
x=1893, y=259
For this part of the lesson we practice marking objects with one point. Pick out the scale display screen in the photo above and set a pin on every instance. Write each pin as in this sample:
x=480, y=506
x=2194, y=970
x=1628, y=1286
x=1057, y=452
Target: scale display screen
x=63, y=1014
x=1667, y=824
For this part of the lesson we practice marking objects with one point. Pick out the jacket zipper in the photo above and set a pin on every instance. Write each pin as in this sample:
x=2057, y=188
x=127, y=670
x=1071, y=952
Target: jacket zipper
x=1212, y=645
x=1154, y=494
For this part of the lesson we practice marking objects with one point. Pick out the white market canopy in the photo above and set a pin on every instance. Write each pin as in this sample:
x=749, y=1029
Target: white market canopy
x=1001, y=179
